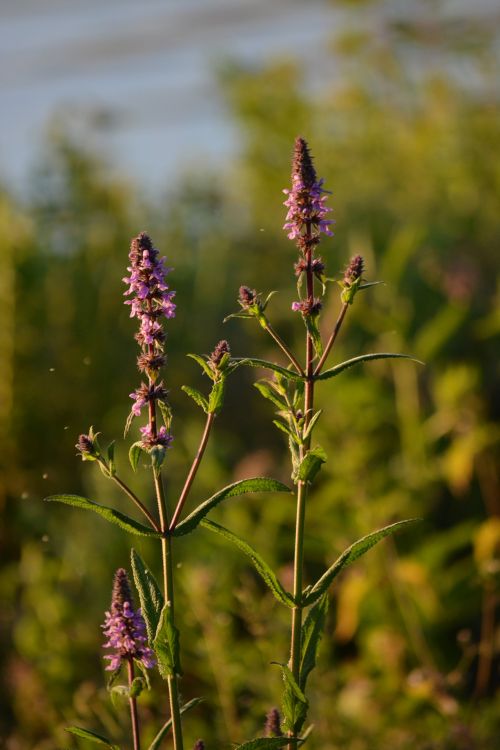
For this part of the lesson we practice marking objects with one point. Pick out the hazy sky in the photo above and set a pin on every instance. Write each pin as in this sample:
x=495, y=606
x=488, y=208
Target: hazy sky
x=147, y=68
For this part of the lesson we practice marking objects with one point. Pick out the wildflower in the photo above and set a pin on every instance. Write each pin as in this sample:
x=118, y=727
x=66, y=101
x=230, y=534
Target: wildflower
x=146, y=393
x=125, y=628
x=220, y=353
x=308, y=307
x=305, y=200
x=150, y=438
x=273, y=724
x=199, y=745
x=247, y=296
x=88, y=446
x=354, y=270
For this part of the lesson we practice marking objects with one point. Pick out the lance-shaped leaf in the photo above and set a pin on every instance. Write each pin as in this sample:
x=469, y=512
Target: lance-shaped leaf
x=265, y=365
x=333, y=371
x=150, y=596
x=349, y=556
x=312, y=631
x=266, y=389
x=197, y=397
x=242, y=487
x=156, y=743
x=134, y=454
x=295, y=703
x=310, y=465
x=264, y=743
x=166, y=644
x=266, y=573
x=110, y=514
x=203, y=364
x=87, y=734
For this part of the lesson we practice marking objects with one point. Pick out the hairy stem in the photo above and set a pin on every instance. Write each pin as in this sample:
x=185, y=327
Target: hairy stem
x=331, y=340
x=168, y=586
x=133, y=707
x=192, y=472
x=136, y=501
x=298, y=563
x=284, y=348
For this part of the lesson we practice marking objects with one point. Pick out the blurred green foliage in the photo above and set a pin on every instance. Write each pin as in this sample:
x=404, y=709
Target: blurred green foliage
x=411, y=151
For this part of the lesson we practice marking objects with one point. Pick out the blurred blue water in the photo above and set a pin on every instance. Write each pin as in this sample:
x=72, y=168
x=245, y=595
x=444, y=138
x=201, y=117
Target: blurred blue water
x=141, y=76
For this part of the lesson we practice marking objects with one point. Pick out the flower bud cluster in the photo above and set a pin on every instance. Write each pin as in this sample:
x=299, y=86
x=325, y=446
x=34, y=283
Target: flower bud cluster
x=150, y=301
x=306, y=219
x=125, y=628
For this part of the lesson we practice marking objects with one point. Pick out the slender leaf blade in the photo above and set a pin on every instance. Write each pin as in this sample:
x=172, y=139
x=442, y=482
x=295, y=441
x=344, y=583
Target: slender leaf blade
x=264, y=743
x=265, y=572
x=94, y=737
x=295, y=703
x=166, y=644
x=110, y=514
x=156, y=743
x=351, y=554
x=242, y=487
x=312, y=632
x=197, y=397
x=334, y=371
x=265, y=365
x=150, y=596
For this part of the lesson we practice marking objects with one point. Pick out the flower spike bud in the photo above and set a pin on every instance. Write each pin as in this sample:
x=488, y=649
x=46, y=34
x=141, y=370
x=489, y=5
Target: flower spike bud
x=273, y=724
x=305, y=220
x=125, y=628
x=352, y=279
x=88, y=447
x=199, y=745
x=220, y=355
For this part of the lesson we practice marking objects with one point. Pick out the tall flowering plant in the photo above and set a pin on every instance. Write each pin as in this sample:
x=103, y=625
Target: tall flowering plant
x=149, y=637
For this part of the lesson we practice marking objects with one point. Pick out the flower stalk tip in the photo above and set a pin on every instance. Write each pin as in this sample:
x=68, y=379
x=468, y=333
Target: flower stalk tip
x=125, y=628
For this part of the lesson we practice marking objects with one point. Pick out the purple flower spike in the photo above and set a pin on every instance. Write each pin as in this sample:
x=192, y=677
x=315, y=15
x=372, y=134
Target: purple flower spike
x=306, y=200
x=125, y=628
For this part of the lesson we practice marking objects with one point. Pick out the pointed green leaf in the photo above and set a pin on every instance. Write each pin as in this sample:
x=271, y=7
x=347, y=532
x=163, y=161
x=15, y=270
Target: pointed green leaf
x=311, y=424
x=269, y=393
x=156, y=743
x=134, y=454
x=203, y=364
x=257, y=484
x=110, y=514
x=166, y=644
x=287, y=430
x=295, y=703
x=264, y=364
x=263, y=743
x=333, y=371
x=266, y=573
x=111, y=458
x=197, y=397
x=310, y=465
x=87, y=734
x=311, y=322
x=150, y=596
x=312, y=632
x=216, y=398
x=166, y=413
x=349, y=556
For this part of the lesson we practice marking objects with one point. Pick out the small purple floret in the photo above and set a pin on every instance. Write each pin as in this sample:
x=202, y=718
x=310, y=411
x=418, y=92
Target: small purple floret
x=125, y=628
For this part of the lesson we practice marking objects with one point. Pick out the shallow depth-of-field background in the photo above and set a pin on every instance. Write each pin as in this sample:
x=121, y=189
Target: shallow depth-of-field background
x=411, y=152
